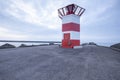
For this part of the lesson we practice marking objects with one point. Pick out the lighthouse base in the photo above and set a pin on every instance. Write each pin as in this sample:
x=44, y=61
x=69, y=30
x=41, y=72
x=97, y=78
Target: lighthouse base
x=70, y=43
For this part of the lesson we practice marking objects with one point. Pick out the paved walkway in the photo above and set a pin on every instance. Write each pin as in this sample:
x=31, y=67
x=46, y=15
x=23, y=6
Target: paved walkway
x=54, y=63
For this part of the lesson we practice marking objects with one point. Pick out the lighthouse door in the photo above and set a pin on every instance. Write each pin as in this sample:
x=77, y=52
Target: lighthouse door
x=66, y=41
x=67, y=36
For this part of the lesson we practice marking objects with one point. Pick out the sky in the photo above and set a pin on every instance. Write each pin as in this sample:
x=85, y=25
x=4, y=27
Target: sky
x=38, y=20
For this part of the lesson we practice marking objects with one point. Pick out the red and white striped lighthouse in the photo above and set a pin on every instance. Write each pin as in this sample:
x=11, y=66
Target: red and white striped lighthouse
x=70, y=16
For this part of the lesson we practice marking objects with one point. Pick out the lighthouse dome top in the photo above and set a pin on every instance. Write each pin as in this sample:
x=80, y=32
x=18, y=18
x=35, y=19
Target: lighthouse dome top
x=70, y=9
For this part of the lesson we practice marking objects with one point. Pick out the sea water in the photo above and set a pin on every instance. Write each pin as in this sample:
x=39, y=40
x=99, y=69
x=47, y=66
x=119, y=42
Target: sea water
x=17, y=44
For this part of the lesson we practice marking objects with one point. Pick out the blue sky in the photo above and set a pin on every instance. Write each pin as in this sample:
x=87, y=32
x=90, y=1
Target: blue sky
x=38, y=20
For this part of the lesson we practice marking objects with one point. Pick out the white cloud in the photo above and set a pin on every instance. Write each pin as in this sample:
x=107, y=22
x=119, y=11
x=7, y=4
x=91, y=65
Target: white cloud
x=97, y=12
x=9, y=34
x=47, y=16
x=24, y=11
x=99, y=38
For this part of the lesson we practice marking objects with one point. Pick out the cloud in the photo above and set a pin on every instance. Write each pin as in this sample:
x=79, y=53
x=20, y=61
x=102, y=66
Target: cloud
x=9, y=34
x=27, y=12
x=36, y=19
x=97, y=11
x=45, y=14
x=23, y=11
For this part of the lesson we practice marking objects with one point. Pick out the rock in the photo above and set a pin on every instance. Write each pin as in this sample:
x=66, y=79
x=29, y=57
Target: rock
x=92, y=43
x=4, y=46
x=24, y=45
x=84, y=44
x=116, y=46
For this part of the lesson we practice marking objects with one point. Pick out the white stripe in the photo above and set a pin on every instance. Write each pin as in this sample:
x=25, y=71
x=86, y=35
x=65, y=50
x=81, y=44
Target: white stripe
x=71, y=18
x=73, y=35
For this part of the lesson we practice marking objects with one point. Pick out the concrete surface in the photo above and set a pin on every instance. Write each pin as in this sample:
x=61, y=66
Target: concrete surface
x=54, y=63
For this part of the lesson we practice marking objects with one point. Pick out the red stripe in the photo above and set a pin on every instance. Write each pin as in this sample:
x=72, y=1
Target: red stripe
x=75, y=42
x=71, y=27
x=70, y=43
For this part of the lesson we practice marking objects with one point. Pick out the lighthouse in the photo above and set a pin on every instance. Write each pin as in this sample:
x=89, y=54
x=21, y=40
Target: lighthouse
x=70, y=16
